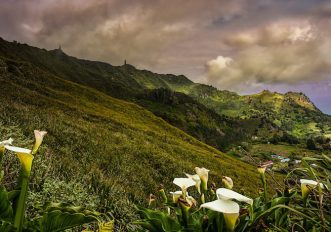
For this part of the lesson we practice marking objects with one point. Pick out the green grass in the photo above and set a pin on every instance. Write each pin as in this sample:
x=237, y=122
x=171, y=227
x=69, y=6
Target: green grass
x=282, y=149
x=290, y=112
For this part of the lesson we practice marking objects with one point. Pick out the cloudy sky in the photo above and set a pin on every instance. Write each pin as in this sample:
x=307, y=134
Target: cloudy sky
x=240, y=45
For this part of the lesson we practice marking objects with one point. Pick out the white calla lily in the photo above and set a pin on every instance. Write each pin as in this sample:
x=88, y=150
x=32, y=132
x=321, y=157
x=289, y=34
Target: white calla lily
x=184, y=183
x=227, y=194
x=310, y=182
x=203, y=174
x=18, y=149
x=261, y=169
x=4, y=143
x=228, y=182
x=230, y=210
x=308, y=185
x=222, y=206
x=191, y=201
x=25, y=157
x=176, y=195
x=197, y=180
x=39, y=136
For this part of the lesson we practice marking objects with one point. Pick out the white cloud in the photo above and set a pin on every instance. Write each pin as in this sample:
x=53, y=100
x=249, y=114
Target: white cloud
x=287, y=52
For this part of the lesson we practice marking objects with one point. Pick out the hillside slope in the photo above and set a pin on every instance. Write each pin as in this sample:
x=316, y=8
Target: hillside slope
x=114, y=149
x=292, y=113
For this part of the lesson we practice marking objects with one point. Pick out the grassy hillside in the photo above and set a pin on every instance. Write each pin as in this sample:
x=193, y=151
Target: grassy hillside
x=184, y=112
x=115, y=150
x=271, y=113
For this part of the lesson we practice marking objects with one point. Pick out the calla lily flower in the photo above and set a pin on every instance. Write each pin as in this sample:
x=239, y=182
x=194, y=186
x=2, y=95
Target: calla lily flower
x=197, y=180
x=4, y=143
x=307, y=186
x=25, y=157
x=151, y=200
x=176, y=195
x=261, y=169
x=184, y=183
x=39, y=136
x=7, y=142
x=230, y=210
x=203, y=174
x=227, y=194
x=228, y=182
x=191, y=201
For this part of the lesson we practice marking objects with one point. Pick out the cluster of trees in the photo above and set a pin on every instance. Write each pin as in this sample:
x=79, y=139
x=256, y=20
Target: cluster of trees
x=319, y=143
x=285, y=137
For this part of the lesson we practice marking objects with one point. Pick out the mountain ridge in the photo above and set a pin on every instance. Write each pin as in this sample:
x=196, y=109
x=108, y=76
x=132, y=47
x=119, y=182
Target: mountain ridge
x=290, y=111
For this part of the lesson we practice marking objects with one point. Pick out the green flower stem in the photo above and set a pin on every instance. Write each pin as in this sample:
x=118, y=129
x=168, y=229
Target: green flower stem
x=2, y=152
x=202, y=198
x=185, y=217
x=185, y=212
x=219, y=222
x=164, y=196
x=305, y=203
x=264, y=182
x=20, y=210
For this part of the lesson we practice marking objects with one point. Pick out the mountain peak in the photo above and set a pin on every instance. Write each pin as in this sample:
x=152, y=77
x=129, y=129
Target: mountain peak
x=301, y=99
x=58, y=51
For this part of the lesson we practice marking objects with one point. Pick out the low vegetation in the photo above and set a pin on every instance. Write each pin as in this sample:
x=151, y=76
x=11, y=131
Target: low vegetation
x=302, y=205
x=99, y=145
x=116, y=133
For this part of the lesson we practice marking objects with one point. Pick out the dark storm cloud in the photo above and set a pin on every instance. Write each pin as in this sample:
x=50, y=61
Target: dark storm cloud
x=260, y=41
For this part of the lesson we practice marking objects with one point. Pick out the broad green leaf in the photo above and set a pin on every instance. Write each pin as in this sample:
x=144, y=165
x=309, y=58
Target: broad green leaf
x=158, y=220
x=58, y=221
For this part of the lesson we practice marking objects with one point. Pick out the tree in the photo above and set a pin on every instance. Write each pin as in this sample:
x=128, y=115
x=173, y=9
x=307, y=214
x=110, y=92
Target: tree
x=311, y=145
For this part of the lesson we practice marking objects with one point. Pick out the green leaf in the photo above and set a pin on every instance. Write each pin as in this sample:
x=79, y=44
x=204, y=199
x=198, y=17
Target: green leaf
x=58, y=220
x=13, y=195
x=158, y=220
x=6, y=227
x=6, y=210
x=106, y=226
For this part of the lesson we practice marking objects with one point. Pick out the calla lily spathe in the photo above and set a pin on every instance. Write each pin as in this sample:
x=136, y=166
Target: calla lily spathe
x=4, y=143
x=191, y=201
x=39, y=136
x=197, y=180
x=261, y=169
x=307, y=186
x=176, y=195
x=184, y=183
x=225, y=205
x=228, y=182
x=230, y=210
x=227, y=194
x=222, y=206
x=203, y=174
x=25, y=157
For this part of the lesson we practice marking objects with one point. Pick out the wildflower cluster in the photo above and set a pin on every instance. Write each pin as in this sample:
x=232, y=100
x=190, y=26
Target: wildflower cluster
x=302, y=205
